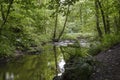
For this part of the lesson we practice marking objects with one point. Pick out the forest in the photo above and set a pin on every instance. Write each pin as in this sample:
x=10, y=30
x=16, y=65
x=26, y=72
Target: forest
x=59, y=39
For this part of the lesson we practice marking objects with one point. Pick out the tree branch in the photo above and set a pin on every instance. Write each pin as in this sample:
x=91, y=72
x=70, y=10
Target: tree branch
x=63, y=29
x=7, y=14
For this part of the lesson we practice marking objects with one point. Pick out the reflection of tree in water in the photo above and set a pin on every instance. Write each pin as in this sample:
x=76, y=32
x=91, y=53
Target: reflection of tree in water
x=35, y=67
x=59, y=61
x=56, y=64
x=31, y=67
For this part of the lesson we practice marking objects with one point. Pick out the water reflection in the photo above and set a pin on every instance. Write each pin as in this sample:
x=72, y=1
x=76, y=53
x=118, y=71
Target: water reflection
x=34, y=67
x=61, y=64
x=8, y=76
x=30, y=67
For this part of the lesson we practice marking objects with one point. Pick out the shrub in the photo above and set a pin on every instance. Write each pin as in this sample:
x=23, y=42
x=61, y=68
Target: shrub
x=6, y=49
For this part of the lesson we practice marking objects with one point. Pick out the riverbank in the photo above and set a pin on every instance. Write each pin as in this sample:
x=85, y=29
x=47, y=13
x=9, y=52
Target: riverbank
x=109, y=67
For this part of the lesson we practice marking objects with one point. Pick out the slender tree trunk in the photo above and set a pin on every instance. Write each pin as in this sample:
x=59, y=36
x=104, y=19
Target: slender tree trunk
x=97, y=19
x=55, y=28
x=108, y=24
x=118, y=18
x=107, y=19
x=103, y=16
x=63, y=29
x=119, y=9
x=119, y=14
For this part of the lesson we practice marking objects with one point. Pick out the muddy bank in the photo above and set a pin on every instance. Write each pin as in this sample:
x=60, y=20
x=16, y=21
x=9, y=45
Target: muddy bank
x=109, y=65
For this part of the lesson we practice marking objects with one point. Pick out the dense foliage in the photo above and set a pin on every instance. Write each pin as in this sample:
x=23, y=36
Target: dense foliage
x=27, y=25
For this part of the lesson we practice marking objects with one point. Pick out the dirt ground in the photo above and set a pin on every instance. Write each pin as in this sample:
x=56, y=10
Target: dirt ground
x=108, y=67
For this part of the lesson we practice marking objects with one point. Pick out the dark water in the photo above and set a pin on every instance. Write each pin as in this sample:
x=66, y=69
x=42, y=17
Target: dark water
x=30, y=67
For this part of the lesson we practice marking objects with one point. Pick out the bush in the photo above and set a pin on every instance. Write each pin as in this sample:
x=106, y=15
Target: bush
x=110, y=40
x=105, y=43
x=6, y=49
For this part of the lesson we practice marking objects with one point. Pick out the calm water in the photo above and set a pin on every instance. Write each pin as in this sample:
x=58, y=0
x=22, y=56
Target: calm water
x=30, y=67
x=37, y=67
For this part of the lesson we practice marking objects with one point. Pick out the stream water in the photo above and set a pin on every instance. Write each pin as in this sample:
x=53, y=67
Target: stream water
x=35, y=67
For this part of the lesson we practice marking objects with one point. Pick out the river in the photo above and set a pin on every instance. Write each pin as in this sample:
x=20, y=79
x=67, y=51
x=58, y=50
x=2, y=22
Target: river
x=37, y=67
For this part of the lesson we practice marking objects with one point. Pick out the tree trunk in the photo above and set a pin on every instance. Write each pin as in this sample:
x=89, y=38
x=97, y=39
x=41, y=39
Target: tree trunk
x=97, y=19
x=119, y=8
x=108, y=24
x=103, y=16
x=107, y=19
x=55, y=27
x=119, y=13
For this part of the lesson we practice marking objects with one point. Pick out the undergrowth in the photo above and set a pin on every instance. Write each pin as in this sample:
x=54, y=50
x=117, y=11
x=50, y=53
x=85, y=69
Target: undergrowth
x=105, y=43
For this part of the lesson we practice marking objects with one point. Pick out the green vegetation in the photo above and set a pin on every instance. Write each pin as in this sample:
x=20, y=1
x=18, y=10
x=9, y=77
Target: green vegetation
x=26, y=26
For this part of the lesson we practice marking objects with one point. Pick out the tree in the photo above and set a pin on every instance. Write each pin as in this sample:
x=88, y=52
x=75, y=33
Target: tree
x=97, y=19
x=5, y=17
x=103, y=16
